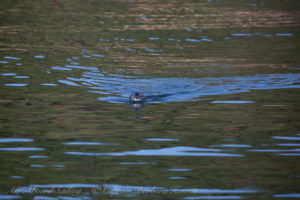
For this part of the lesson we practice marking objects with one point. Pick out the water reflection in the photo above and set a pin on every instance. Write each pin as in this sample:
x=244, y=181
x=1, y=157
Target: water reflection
x=169, y=151
x=138, y=163
x=11, y=58
x=89, y=143
x=38, y=156
x=159, y=90
x=21, y=149
x=5, y=140
x=7, y=197
x=16, y=84
x=171, y=51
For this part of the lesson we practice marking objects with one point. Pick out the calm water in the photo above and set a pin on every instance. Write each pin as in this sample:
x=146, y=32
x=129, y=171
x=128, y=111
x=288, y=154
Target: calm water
x=221, y=116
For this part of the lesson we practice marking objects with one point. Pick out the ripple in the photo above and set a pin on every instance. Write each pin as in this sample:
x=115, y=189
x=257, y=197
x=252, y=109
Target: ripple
x=177, y=178
x=153, y=50
x=40, y=166
x=81, y=67
x=233, y=102
x=21, y=149
x=286, y=138
x=38, y=156
x=169, y=151
x=242, y=34
x=179, y=170
x=289, y=144
x=157, y=90
x=56, y=165
x=232, y=145
x=291, y=195
x=284, y=34
x=289, y=154
x=5, y=140
x=61, y=68
x=39, y=56
x=7, y=197
x=21, y=76
x=192, y=40
x=16, y=84
x=274, y=150
x=161, y=139
x=154, y=38
x=98, y=55
x=17, y=177
x=138, y=163
x=89, y=143
x=68, y=82
x=37, y=165
x=12, y=58
x=8, y=74
x=48, y=84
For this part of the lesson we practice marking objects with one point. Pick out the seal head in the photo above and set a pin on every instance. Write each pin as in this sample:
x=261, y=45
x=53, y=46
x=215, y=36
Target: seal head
x=136, y=97
x=136, y=100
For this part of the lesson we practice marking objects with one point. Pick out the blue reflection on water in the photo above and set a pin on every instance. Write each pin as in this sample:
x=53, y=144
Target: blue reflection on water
x=49, y=84
x=12, y=58
x=169, y=151
x=289, y=144
x=16, y=84
x=17, y=177
x=5, y=140
x=38, y=156
x=179, y=170
x=21, y=149
x=21, y=76
x=242, y=34
x=161, y=139
x=6, y=197
x=286, y=138
x=89, y=143
x=234, y=102
x=8, y=74
x=68, y=82
x=274, y=150
x=61, y=68
x=81, y=67
x=38, y=56
x=138, y=163
x=192, y=40
x=284, y=34
x=232, y=145
x=159, y=90
x=154, y=38
x=289, y=154
x=292, y=195
x=177, y=178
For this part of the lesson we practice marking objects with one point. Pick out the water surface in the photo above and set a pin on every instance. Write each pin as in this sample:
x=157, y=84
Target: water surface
x=221, y=116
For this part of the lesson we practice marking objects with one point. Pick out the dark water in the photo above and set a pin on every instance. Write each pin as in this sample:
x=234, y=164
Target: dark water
x=221, y=116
